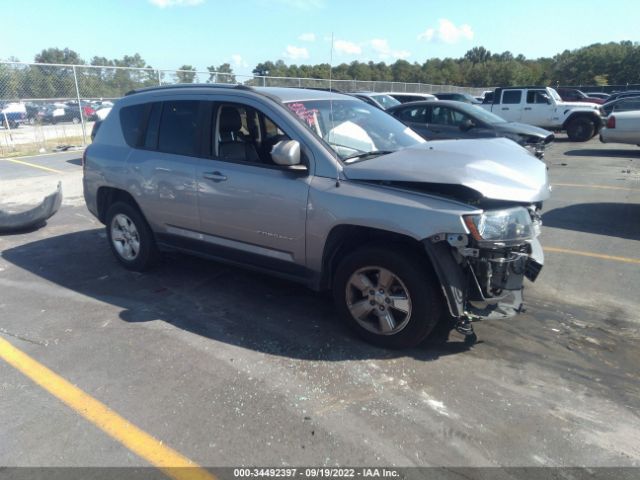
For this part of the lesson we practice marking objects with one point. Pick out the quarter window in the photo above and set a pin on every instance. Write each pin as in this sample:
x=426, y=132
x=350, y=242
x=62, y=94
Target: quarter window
x=131, y=123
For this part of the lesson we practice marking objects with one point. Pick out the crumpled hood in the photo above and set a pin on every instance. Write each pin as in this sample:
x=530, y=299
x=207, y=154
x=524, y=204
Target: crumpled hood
x=497, y=168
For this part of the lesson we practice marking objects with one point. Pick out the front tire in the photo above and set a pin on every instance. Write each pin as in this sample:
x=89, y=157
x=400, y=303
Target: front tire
x=581, y=129
x=387, y=297
x=130, y=237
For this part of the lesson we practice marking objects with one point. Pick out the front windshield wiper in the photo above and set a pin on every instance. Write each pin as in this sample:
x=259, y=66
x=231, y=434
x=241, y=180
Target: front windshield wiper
x=362, y=156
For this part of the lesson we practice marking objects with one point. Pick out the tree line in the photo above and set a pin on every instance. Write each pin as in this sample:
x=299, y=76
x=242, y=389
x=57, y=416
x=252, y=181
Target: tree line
x=613, y=63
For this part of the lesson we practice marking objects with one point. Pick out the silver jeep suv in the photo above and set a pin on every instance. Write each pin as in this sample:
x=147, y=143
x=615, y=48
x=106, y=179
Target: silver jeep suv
x=323, y=189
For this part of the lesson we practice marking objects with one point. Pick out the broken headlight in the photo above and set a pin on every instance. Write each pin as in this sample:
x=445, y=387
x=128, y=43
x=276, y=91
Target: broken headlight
x=508, y=226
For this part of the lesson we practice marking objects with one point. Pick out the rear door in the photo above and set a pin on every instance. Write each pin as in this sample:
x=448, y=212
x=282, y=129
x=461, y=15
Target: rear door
x=511, y=105
x=164, y=165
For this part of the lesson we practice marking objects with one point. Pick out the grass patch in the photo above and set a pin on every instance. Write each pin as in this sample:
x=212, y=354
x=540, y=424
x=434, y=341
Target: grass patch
x=35, y=148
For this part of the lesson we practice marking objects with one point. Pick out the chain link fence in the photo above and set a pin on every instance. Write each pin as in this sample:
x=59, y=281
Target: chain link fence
x=51, y=107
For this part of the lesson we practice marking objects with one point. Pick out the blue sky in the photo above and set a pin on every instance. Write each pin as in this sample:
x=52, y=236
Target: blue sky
x=170, y=33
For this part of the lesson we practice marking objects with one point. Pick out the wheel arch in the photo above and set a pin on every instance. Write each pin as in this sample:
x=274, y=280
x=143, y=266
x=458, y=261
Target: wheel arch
x=594, y=117
x=344, y=239
x=107, y=196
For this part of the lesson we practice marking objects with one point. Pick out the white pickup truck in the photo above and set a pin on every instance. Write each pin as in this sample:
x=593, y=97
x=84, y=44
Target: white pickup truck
x=543, y=107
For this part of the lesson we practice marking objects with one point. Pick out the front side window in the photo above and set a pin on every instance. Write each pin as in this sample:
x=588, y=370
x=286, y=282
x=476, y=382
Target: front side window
x=352, y=128
x=536, y=96
x=179, y=127
x=244, y=134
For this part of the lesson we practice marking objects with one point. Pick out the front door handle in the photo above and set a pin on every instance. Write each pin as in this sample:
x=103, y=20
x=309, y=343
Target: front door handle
x=527, y=108
x=505, y=108
x=215, y=176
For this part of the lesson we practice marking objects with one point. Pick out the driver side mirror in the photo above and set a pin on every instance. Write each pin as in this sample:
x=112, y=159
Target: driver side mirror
x=467, y=125
x=286, y=153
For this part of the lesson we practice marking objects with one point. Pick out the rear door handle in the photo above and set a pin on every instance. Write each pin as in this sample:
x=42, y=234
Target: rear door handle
x=527, y=108
x=505, y=108
x=215, y=176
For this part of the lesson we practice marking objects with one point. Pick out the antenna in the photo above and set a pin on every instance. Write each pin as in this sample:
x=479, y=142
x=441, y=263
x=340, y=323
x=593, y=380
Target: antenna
x=331, y=107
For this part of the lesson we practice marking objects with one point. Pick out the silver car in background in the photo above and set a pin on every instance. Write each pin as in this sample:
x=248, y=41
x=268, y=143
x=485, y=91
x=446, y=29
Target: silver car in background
x=323, y=189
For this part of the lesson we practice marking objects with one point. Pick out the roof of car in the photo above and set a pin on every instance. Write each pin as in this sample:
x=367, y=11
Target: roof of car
x=283, y=94
x=368, y=94
x=419, y=94
x=430, y=103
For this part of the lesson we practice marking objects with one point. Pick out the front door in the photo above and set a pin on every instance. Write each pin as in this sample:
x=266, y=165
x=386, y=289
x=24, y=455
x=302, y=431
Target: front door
x=248, y=205
x=537, y=110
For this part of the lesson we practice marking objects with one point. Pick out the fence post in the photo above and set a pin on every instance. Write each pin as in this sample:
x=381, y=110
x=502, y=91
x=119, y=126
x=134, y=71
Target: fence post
x=159, y=78
x=84, y=130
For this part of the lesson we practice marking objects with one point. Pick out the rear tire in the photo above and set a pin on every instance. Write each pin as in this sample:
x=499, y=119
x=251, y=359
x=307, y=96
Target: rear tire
x=130, y=237
x=581, y=129
x=387, y=297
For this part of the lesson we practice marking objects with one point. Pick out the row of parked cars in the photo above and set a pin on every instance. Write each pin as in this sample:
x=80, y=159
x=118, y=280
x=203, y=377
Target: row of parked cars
x=527, y=115
x=14, y=114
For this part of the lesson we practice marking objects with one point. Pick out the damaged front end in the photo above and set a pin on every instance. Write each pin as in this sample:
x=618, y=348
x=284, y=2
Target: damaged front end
x=33, y=217
x=482, y=272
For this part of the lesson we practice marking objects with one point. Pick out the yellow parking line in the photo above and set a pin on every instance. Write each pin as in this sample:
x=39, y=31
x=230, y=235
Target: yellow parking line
x=172, y=463
x=605, y=187
x=28, y=164
x=593, y=255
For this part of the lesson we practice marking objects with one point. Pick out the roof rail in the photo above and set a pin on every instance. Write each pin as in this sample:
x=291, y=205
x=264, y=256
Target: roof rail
x=188, y=85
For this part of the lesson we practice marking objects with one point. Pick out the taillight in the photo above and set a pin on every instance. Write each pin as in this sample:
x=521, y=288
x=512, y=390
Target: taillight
x=611, y=123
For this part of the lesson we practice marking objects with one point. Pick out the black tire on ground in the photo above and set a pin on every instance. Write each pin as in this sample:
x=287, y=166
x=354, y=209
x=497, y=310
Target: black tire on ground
x=75, y=120
x=148, y=251
x=425, y=296
x=581, y=129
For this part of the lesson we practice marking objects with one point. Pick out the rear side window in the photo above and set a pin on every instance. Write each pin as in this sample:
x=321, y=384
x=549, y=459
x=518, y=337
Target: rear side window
x=511, y=96
x=131, y=123
x=415, y=114
x=179, y=127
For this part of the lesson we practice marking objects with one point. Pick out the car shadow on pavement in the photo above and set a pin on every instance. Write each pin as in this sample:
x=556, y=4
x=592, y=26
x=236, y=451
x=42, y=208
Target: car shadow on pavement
x=227, y=304
x=604, y=152
x=611, y=219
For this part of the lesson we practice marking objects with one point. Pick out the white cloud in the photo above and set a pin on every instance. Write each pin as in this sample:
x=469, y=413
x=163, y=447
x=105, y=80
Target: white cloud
x=175, y=3
x=296, y=53
x=342, y=46
x=307, y=37
x=384, y=51
x=238, y=61
x=447, y=32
